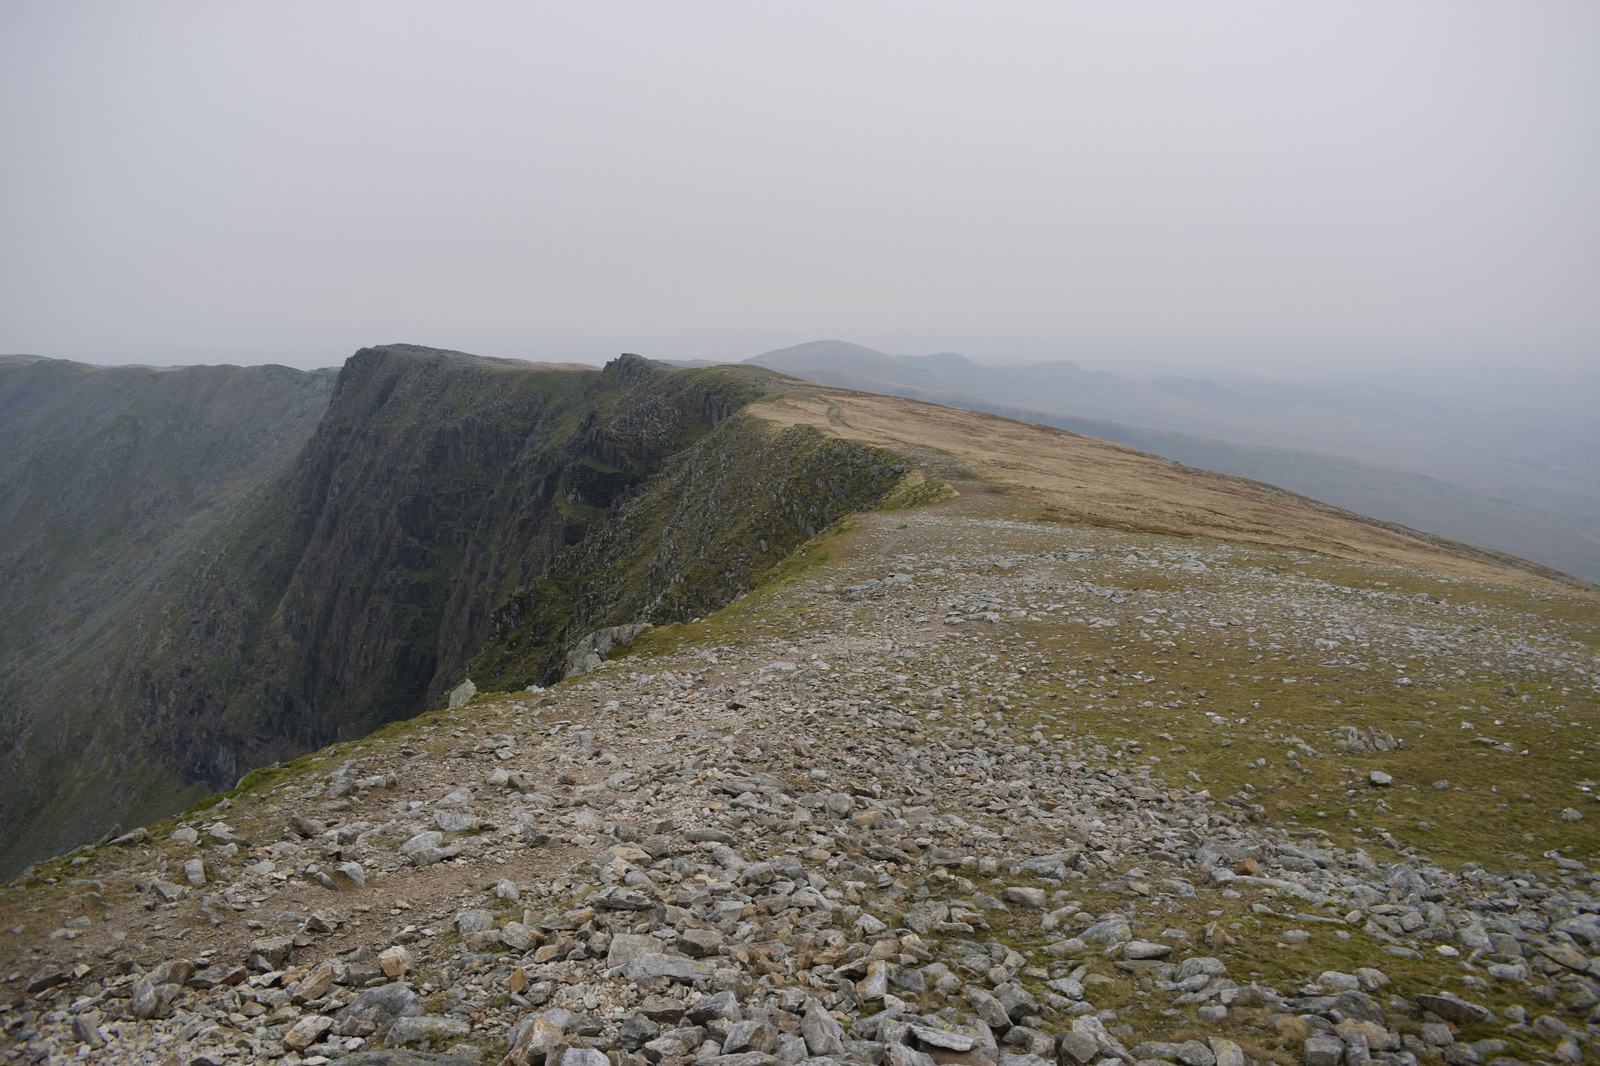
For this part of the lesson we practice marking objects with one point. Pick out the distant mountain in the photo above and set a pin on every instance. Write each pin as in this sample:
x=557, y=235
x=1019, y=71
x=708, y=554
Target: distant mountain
x=1511, y=478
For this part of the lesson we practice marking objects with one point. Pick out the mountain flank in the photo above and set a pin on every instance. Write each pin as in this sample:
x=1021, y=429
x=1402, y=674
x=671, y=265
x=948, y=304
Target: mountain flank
x=216, y=569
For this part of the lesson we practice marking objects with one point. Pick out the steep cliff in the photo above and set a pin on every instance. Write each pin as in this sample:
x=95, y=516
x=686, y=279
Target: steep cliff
x=356, y=592
x=703, y=531
x=445, y=507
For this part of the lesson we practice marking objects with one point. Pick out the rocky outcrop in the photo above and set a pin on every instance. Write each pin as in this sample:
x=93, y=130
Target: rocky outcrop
x=592, y=650
x=705, y=530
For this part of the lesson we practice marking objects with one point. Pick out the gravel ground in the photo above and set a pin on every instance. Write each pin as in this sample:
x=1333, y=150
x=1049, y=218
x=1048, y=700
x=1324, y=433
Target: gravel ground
x=981, y=788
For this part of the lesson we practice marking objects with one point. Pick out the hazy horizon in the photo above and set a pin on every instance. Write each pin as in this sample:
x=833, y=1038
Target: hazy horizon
x=1292, y=191
x=1485, y=381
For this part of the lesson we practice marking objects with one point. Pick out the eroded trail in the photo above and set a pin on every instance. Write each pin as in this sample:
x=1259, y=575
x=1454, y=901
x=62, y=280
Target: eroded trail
x=980, y=788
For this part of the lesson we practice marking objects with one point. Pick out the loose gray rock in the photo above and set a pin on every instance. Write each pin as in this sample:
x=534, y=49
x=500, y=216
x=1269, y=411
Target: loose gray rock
x=1454, y=1009
x=1145, y=949
x=1032, y=898
x=583, y=1056
x=1201, y=964
x=822, y=1034
x=427, y=848
x=143, y=1002
x=943, y=1039
x=988, y=1008
x=924, y=917
x=168, y=891
x=617, y=898
x=1323, y=1049
x=1335, y=981
x=516, y=936
x=1106, y=1043
x=672, y=967
x=456, y=821
x=474, y=921
x=1227, y=1052
x=625, y=947
x=752, y=1034
x=840, y=803
x=44, y=977
x=1108, y=932
x=1077, y=1047
x=636, y=1031
x=399, y=1057
x=537, y=1034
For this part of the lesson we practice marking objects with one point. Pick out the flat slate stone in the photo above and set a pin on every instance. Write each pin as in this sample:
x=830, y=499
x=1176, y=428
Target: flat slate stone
x=673, y=967
x=939, y=1038
x=397, y=1057
x=748, y=1058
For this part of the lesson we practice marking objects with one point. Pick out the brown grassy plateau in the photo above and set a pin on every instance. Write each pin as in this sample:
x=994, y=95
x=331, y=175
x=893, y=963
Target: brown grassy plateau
x=1084, y=479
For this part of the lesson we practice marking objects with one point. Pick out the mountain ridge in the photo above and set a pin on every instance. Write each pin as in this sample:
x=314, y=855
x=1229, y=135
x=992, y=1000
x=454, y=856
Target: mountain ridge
x=355, y=579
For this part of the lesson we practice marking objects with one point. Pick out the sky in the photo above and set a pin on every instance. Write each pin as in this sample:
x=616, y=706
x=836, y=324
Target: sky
x=1294, y=188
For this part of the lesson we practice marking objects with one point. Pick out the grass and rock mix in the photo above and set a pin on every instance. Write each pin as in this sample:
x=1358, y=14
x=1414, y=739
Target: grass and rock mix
x=960, y=783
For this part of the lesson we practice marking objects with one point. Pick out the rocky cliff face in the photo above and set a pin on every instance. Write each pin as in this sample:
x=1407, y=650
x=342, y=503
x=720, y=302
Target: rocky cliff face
x=719, y=515
x=435, y=482
x=445, y=507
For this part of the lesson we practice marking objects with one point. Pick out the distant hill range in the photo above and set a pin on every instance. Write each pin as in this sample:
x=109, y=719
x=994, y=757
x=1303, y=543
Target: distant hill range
x=1506, y=476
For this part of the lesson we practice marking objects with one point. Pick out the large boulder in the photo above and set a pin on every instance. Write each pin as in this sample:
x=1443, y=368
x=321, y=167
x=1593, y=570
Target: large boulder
x=372, y=1012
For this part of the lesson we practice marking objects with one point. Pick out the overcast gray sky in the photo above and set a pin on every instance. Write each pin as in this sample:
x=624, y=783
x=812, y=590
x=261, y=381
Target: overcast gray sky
x=1296, y=185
